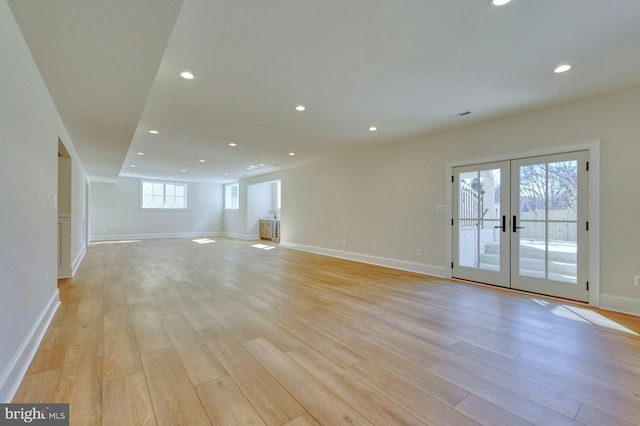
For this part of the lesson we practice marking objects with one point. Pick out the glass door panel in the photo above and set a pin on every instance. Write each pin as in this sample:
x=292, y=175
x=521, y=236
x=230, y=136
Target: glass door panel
x=480, y=228
x=532, y=250
x=549, y=225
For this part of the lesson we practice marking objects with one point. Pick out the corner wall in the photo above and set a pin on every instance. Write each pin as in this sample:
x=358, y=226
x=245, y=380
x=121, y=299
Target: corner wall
x=29, y=130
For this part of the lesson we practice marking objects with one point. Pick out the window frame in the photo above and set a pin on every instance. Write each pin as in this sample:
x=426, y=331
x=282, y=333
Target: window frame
x=164, y=195
x=227, y=187
x=279, y=194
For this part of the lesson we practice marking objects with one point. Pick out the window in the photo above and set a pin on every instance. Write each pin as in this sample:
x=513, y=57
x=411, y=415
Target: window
x=158, y=195
x=232, y=197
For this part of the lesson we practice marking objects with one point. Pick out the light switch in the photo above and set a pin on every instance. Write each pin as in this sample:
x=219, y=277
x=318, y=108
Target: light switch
x=55, y=201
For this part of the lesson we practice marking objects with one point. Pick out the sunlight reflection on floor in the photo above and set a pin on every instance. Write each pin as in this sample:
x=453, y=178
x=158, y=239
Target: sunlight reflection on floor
x=203, y=241
x=263, y=246
x=599, y=320
x=576, y=313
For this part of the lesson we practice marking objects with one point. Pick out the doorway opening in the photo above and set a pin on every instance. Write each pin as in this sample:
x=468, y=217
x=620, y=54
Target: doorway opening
x=264, y=209
x=63, y=200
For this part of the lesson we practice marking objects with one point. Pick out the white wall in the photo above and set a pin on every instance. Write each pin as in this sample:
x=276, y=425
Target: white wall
x=72, y=203
x=29, y=130
x=258, y=200
x=116, y=212
x=79, y=216
x=259, y=204
x=64, y=186
x=382, y=202
x=235, y=221
x=79, y=209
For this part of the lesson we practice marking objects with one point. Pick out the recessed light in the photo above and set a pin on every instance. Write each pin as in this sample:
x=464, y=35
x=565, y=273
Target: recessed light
x=373, y=129
x=154, y=132
x=187, y=75
x=264, y=126
x=562, y=68
x=132, y=166
x=292, y=153
x=170, y=177
x=202, y=161
x=499, y=2
x=232, y=144
x=141, y=153
x=300, y=108
x=226, y=174
x=183, y=171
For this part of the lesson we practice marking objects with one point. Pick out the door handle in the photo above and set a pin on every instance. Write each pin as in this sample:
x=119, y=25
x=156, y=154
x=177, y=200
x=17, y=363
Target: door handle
x=514, y=224
x=504, y=224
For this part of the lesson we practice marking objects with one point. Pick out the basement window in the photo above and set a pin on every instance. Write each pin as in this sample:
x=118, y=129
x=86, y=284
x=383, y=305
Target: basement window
x=160, y=195
x=232, y=197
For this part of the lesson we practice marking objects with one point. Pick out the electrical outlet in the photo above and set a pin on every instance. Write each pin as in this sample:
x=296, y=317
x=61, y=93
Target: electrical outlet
x=337, y=242
x=344, y=243
x=636, y=280
x=418, y=252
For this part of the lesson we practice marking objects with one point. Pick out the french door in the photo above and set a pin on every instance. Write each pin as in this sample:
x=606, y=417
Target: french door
x=523, y=224
x=481, y=244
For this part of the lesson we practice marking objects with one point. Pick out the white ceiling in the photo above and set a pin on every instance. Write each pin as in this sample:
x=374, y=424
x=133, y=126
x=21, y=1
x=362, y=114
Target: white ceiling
x=408, y=67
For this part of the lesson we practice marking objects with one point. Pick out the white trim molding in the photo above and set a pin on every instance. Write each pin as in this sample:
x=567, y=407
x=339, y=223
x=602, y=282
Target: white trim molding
x=627, y=305
x=13, y=375
x=245, y=237
x=96, y=238
x=403, y=265
x=76, y=263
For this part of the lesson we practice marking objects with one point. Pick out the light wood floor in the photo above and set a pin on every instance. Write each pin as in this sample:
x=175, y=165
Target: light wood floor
x=174, y=332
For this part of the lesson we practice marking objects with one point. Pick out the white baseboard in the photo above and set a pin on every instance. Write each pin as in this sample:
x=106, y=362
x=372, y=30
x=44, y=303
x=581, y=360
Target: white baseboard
x=420, y=268
x=78, y=260
x=13, y=375
x=246, y=237
x=627, y=305
x=120, y=237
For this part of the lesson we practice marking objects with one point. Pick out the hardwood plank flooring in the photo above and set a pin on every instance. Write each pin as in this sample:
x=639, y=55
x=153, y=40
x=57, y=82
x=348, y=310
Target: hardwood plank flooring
x=169, y=331
x=269, y=398
x=80, y=383
x=174, y=399
x=226, y=405
x=126, y=401
x=323, y=404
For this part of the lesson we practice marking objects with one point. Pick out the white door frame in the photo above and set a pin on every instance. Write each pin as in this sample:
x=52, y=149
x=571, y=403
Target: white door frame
x=594, y=204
